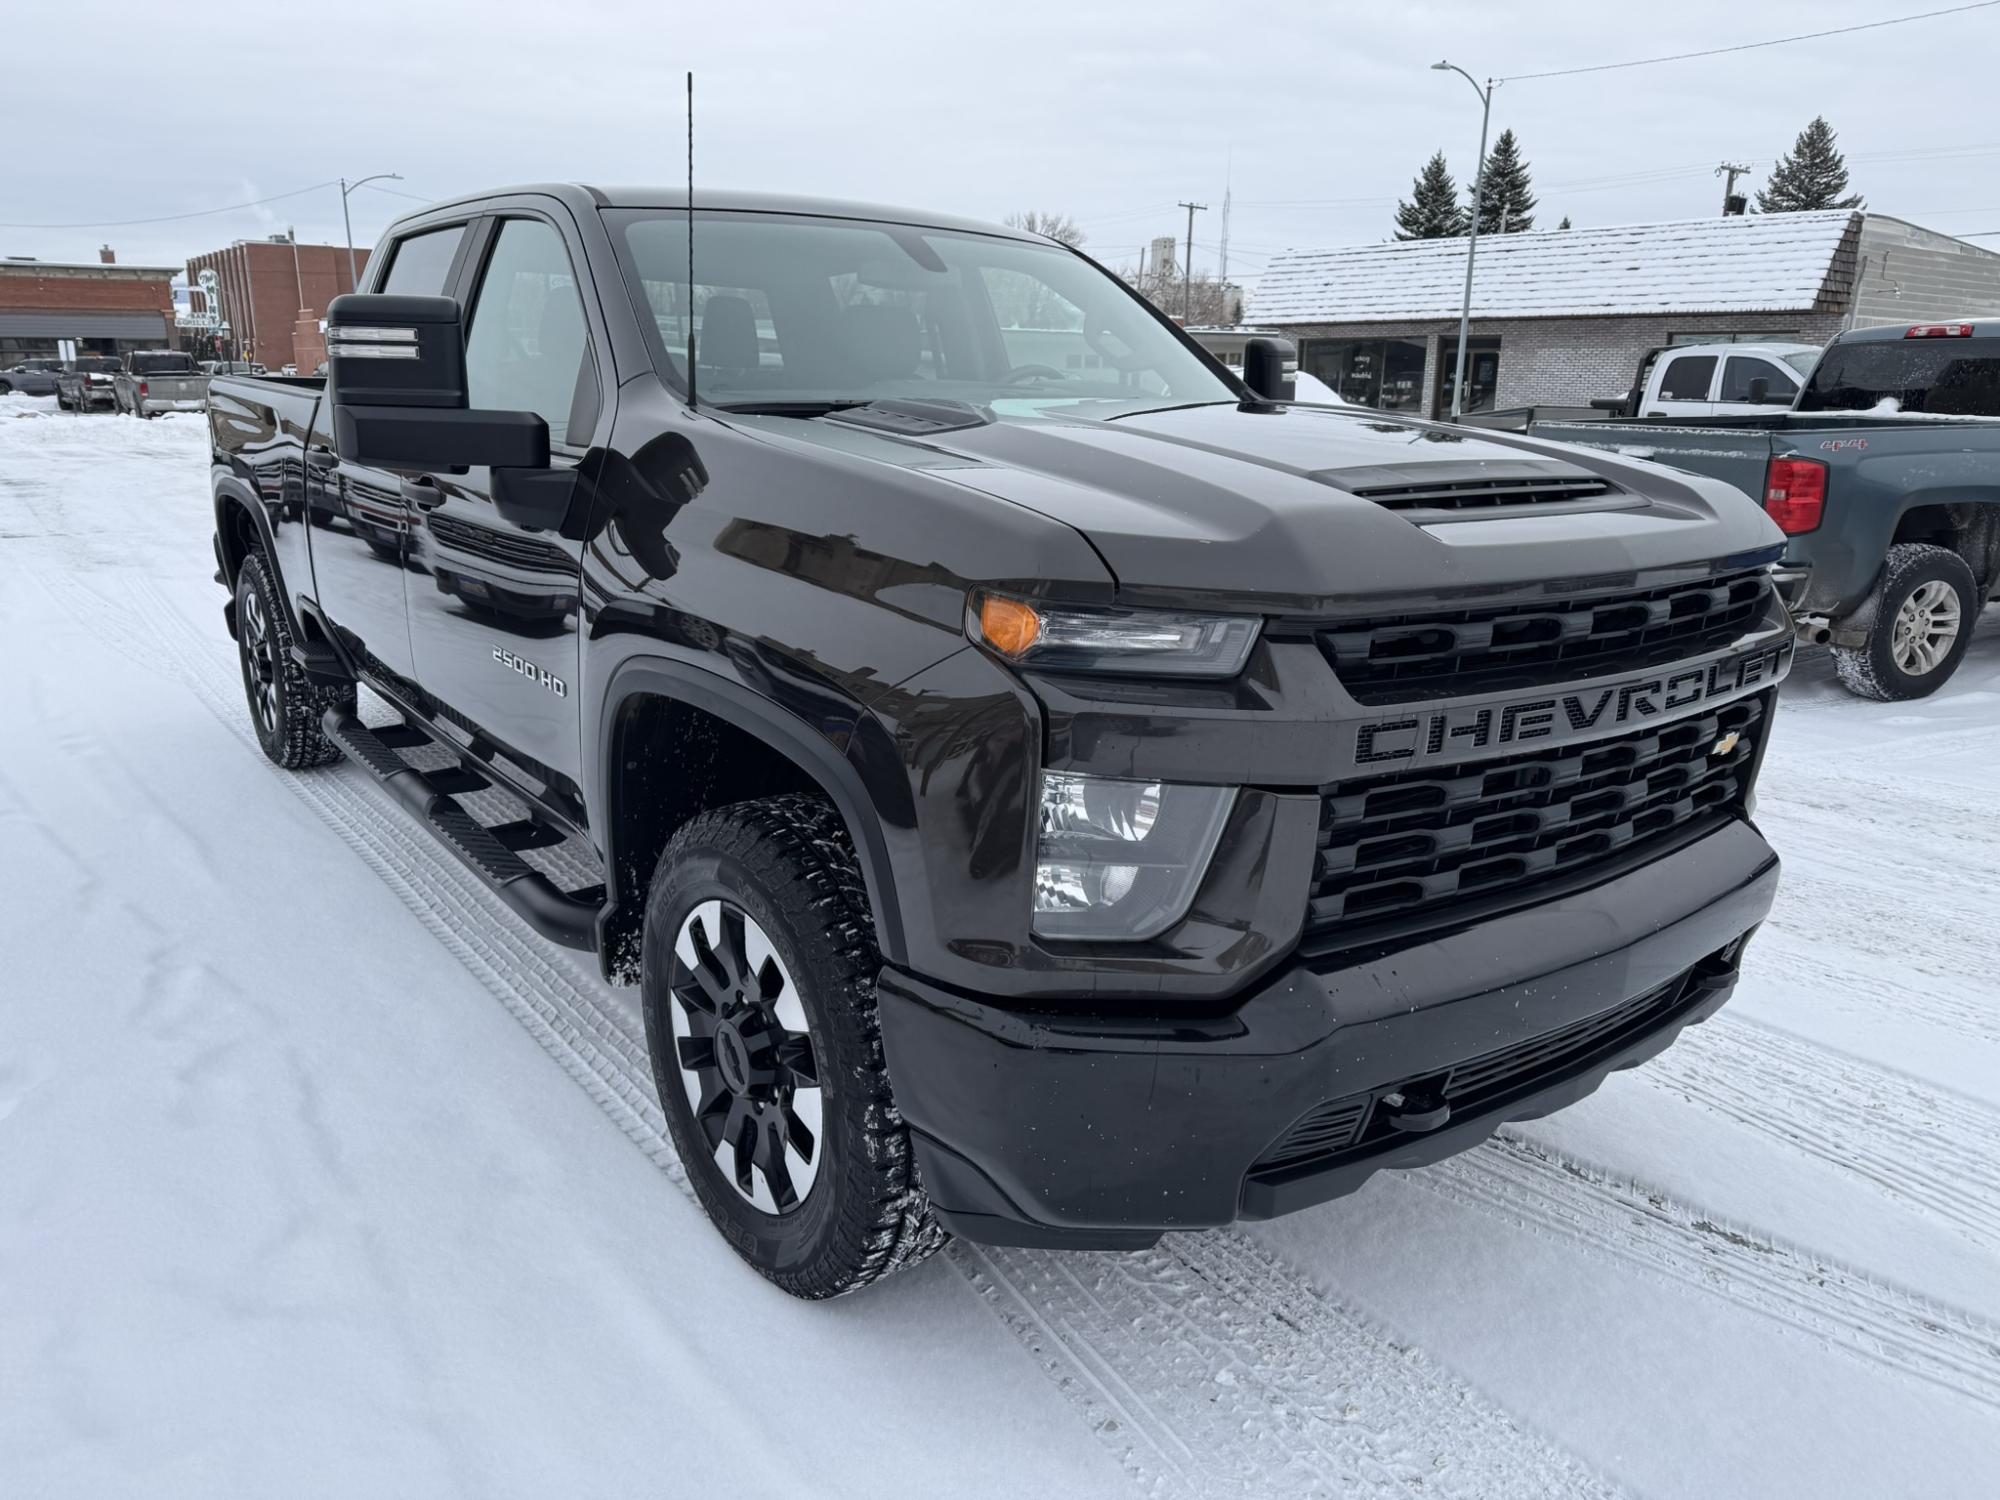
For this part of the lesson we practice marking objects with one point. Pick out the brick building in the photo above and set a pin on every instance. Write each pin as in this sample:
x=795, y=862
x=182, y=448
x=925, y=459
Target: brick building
x=1563, y=316
x=265, y=285
x=104, y=307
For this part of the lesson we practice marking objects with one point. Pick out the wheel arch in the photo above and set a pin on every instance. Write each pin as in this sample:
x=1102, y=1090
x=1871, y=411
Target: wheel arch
x=743, y=745
x=1971, y=528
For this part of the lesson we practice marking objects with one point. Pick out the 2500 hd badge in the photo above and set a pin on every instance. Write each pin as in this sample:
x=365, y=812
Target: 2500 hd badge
x=1453, y=733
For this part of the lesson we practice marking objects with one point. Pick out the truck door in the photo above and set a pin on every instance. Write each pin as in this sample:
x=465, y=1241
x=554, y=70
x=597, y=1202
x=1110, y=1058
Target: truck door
x=361, y=516
x=1686, y=387
x=493, y=605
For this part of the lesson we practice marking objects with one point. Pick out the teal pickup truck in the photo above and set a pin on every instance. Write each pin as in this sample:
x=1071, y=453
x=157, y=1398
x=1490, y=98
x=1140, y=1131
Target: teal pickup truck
x=1885, y=477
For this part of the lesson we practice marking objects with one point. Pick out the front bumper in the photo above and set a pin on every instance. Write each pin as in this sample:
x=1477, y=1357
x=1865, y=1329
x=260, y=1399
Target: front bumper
x=1104, y=1130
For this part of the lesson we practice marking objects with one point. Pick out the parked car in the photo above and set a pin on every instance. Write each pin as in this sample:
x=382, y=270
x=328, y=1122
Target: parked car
x=32, y=377
x=1046, y=802
x=86, y=383
x=1714, y=380
x=1885, y=478
x=152, y=381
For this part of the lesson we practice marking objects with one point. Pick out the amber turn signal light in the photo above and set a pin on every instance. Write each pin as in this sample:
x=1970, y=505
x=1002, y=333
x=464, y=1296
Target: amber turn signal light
x=1008, y=626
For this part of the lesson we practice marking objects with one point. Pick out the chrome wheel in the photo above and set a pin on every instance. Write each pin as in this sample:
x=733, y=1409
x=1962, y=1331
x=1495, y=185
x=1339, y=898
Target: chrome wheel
x=1926, y=628
x=260, y=660
x=745, y=1052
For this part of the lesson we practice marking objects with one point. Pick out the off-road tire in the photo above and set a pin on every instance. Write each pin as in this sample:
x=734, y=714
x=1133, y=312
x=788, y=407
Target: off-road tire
x=289, y=731
x=787, y=863
x=1871, y=670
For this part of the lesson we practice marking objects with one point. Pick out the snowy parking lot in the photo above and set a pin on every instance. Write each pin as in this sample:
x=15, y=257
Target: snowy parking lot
x=318, y=1170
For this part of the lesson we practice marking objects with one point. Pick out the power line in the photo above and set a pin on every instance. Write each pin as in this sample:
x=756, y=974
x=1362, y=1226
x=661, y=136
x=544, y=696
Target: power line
x=1644, y=62
x=396, y=192
x=199, y=213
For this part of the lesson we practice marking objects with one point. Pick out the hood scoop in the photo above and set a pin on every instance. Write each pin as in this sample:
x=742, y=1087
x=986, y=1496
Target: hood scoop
x=1477, y=489
x=916, y=417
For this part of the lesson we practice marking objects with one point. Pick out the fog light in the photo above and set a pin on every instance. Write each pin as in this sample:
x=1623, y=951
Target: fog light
x=1121, y=860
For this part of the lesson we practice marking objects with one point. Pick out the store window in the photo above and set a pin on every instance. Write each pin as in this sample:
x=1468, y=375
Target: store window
x=1383, y=373
x=1482, y=373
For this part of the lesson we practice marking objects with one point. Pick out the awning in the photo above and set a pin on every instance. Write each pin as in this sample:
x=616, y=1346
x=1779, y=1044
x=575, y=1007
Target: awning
x=83, y=325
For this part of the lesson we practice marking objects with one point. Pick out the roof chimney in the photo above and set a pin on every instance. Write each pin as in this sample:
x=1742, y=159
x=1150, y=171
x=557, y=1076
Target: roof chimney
x=107, y=255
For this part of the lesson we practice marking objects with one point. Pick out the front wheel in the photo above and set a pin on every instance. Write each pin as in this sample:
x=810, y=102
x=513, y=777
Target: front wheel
x=1924, y=606
x=758, y=986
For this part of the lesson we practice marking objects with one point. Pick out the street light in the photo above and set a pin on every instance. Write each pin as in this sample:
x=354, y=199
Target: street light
x=1472, y=238
x=346, y=187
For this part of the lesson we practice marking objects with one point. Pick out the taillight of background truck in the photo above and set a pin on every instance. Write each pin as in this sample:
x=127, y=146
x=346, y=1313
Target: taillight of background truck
x=1795, y=494
x=145, y=390
x=1939, y=331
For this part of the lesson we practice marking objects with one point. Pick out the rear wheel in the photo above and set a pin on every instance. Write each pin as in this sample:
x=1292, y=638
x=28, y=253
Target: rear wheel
x=285, y=704
x=1924, y=606
x=758, y=985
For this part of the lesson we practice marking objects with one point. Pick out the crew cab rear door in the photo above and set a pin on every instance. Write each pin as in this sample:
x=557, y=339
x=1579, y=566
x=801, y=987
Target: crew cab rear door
x=493, y=604
x=361, y=515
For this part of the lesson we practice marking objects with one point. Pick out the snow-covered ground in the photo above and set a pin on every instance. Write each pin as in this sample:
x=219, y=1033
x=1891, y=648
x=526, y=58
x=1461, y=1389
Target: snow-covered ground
x=317, y=1169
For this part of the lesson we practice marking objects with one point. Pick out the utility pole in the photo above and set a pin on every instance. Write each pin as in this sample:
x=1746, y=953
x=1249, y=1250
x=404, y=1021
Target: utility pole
x=1472, y=230
x=1222, y=253
x=1187, y=262
x=1731, y=204
x=297, y=275
x=346, y=187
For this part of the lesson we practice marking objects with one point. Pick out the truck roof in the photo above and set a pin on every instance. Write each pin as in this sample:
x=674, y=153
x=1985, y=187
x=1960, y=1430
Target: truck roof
x=1983, y=326
x=584, y=197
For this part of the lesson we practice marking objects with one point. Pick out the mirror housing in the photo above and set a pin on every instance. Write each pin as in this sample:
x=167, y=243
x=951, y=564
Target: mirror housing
x=396, y=388
x=1264, y=361
x=1760, y=390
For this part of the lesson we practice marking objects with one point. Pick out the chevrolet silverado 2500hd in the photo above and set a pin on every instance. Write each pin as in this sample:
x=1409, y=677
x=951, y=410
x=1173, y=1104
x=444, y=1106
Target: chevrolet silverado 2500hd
x=1045, y=788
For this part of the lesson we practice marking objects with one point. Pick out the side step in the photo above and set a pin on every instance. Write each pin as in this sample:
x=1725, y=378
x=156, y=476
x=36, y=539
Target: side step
x=560, y=916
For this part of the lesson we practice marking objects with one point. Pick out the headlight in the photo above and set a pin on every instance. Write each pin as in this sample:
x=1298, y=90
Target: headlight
x=1130, y=642
x=1120, y=860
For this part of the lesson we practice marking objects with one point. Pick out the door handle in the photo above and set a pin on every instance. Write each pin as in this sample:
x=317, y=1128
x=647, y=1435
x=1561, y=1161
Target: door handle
x=423, y=493
x=321, y=460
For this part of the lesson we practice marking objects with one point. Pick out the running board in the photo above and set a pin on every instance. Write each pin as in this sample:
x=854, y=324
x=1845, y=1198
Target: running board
x=560, y=916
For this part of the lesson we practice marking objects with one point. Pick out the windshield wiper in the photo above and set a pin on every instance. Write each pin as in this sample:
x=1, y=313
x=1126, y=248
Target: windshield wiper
x=806, y=409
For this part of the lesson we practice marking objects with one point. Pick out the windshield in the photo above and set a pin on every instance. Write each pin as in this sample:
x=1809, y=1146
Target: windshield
x=1802, y=360
x=1952, y=377
x=792, y=312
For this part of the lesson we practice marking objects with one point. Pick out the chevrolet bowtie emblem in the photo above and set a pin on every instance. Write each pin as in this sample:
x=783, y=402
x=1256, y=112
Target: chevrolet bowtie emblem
x=1726, y=744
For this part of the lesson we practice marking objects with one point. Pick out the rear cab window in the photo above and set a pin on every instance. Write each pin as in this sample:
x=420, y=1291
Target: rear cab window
x=1957, y=377
x=1687, y=378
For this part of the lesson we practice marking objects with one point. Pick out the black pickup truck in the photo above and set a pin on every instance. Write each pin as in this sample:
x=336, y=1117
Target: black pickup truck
x=1045, y=788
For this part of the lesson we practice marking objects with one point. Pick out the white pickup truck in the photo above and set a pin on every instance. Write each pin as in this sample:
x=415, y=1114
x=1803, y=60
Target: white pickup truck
x=156, y=380
x=1715, y=380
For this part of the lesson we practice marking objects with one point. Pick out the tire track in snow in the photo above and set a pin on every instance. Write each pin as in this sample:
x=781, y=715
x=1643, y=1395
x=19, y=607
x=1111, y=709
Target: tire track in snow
x=1837, y=978
x=1204, y=1365
x=1803, y=1293
x=1929, y=1150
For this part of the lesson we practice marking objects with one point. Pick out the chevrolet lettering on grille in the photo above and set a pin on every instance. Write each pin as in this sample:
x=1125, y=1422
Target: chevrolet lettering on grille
x=1418, y=737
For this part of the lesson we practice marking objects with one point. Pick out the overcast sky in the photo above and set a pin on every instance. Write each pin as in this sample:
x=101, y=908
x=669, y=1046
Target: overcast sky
x=1317, y=114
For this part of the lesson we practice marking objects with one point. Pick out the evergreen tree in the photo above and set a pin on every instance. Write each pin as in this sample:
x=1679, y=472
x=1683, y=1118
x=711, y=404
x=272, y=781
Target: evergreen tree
x=1565, y=223
x=1509, y=193
x=1432, y=212
x=1813, y=175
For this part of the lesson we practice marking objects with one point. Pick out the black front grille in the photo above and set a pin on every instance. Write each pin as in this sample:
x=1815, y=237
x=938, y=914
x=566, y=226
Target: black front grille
x=1400, y=657
x=1488, y=494
x=509, y=547
x=1413, y=845
x=1354, y=1126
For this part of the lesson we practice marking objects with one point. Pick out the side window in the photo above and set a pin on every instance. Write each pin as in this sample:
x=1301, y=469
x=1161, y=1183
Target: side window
x=420, y=263
x=1740, y=370
x=1687, y=378
x=526, y=346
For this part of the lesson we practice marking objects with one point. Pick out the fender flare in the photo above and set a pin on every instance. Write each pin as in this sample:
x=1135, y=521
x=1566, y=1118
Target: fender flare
x=778, y=727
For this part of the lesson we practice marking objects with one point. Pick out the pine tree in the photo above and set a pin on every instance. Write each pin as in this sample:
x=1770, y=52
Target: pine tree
x=1509, y=195
x=1432, y=212
x=1565, y=223
x=1813, y=175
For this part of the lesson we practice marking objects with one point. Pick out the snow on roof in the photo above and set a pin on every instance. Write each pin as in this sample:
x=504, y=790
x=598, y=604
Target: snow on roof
x=1749, y=263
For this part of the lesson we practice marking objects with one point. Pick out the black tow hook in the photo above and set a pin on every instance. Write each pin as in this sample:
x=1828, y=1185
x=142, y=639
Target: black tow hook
x=1415, y=1112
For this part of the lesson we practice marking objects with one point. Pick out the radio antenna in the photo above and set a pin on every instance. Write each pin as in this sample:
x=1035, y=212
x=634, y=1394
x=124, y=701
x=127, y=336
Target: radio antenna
x=690, y=213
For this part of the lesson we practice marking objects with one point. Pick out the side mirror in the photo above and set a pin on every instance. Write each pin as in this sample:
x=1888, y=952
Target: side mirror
x=1760, y=390
x=396, y=385
x=1264, y=362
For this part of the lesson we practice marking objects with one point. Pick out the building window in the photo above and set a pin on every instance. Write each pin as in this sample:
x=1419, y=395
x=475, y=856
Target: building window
x=1384, y=373
x=1482, y=373
x=1740, y=336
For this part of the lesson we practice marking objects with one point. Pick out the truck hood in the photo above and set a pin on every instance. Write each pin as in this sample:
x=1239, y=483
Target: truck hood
x=1220, y=504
